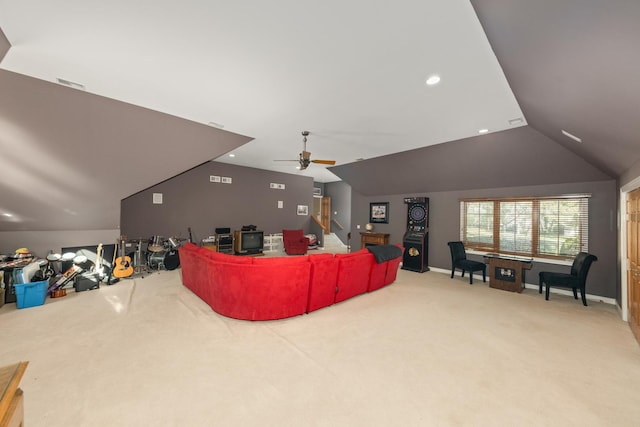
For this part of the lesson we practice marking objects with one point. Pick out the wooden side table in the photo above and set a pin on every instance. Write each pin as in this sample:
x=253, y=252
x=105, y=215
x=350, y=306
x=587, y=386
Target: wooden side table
x=368, y=238
x=11, y=397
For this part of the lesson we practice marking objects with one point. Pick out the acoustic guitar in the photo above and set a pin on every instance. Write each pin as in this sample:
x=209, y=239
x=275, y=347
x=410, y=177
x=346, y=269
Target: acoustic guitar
x=122, y=267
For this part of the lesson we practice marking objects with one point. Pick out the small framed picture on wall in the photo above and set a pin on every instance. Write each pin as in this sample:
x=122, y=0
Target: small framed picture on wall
x=303, y=210
x=379, y=213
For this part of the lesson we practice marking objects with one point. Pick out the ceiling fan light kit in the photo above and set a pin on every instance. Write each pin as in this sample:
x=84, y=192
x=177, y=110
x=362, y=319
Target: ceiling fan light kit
x=304, y=158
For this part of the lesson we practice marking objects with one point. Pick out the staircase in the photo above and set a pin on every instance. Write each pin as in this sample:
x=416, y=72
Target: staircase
x=331, y=243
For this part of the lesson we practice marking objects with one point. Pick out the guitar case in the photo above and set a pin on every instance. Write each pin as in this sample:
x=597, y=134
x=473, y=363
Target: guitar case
x=86, y=282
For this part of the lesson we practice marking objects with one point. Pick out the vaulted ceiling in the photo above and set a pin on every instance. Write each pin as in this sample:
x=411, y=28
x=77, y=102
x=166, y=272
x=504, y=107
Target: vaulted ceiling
x=160, y=87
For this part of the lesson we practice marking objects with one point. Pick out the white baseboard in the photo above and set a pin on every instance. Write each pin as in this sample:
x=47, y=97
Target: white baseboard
x=590, y=297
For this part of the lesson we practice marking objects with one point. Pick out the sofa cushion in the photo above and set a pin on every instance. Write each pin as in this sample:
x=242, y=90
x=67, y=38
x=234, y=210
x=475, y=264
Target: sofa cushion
x=324, y=277
x=354, y=270
x=259, y=292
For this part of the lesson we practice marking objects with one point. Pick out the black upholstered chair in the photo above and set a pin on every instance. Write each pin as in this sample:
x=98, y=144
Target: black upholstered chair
x=459, y=260
x=576, y=279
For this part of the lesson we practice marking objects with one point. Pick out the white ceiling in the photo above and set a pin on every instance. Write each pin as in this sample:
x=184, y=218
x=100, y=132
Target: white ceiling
x=352, y=73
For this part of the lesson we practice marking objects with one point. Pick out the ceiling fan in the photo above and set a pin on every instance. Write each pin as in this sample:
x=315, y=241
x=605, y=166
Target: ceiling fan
x=305, y=156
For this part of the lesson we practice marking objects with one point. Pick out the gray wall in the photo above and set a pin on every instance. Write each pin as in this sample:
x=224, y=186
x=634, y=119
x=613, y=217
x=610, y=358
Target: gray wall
x=630, y=175
x=515, y=158
x=40, y=243
x=340, y=193
x=191, y=200
x=4, y=45
x=444, y=226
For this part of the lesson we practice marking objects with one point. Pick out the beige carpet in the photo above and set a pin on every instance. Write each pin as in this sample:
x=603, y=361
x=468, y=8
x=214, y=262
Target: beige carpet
x=424, y=351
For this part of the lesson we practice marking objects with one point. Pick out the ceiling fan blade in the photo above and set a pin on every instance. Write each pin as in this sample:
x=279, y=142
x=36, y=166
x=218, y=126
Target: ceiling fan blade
x=287, y=160
x=324, y=162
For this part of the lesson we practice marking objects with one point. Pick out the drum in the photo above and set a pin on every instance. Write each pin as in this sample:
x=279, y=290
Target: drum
x=68, y=256
x=54, y=257
x=173, y=242
x=137, y=259
x=156, y=244
x=167, y=259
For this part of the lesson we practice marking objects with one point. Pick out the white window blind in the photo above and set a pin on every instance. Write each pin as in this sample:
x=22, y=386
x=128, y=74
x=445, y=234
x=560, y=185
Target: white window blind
x=552, y=227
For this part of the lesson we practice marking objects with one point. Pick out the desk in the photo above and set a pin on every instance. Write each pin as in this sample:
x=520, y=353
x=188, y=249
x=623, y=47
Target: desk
x=507, y=272
x=368, y=238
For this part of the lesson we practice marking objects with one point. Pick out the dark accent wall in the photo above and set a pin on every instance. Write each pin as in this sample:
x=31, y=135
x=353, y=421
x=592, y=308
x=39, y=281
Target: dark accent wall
x=573, y=65
x=516, y=157
x=4, y=45
x=340, y=193
x=630, y=175
x=444, y=226
x=70, y=156
x=191, y=200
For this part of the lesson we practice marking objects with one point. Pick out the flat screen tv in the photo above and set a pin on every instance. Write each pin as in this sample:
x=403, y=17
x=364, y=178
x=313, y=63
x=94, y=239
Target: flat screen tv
x=248, y=242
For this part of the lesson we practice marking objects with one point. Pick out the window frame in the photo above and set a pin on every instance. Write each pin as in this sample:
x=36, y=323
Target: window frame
x=494, y=247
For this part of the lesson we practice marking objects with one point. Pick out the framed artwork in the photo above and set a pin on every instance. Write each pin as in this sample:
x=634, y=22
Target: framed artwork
x=379, y=213
x=303, y=210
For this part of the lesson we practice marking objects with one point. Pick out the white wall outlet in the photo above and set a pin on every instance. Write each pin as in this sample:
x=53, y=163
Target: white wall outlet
x=214, y=178
x=280, y=204
x=281, y=186
x=273, y=185
x=157, y=198
x=358, y=226
x=226, y=180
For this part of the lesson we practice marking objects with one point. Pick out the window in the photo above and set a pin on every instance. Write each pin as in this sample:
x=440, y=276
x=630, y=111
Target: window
x=545, y=227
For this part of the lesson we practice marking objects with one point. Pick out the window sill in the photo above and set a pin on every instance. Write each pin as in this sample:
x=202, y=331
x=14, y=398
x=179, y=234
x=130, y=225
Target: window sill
x=540, y=260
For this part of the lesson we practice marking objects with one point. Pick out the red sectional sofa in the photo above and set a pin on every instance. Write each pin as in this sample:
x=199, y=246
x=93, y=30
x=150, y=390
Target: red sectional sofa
x=251, y=288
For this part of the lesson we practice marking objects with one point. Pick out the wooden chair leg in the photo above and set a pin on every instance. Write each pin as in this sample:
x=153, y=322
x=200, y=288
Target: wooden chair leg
x=453, y=270
x=484, y=275
x=575, y=293
x=471, y=277
x=546, y=294
x=584, y=297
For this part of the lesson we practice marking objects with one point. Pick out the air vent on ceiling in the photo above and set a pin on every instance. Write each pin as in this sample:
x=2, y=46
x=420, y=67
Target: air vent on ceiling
x=70, y=84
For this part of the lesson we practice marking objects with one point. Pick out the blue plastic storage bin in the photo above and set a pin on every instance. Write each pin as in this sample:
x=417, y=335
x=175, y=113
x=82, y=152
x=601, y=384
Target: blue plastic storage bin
x=31, y=294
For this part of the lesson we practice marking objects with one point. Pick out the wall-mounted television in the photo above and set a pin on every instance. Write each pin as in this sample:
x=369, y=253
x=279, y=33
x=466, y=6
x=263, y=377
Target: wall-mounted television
x=248, y=242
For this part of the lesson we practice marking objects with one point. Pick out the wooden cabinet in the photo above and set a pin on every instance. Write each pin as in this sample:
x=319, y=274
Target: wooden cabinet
x=368, y=238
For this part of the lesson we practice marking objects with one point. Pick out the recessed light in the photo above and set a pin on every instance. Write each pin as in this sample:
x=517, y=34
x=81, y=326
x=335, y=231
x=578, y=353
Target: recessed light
x=7, y=215
x=232, y=155
x=575, y=138
x=483, y=131
x=433, y=80
x=516, y=121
